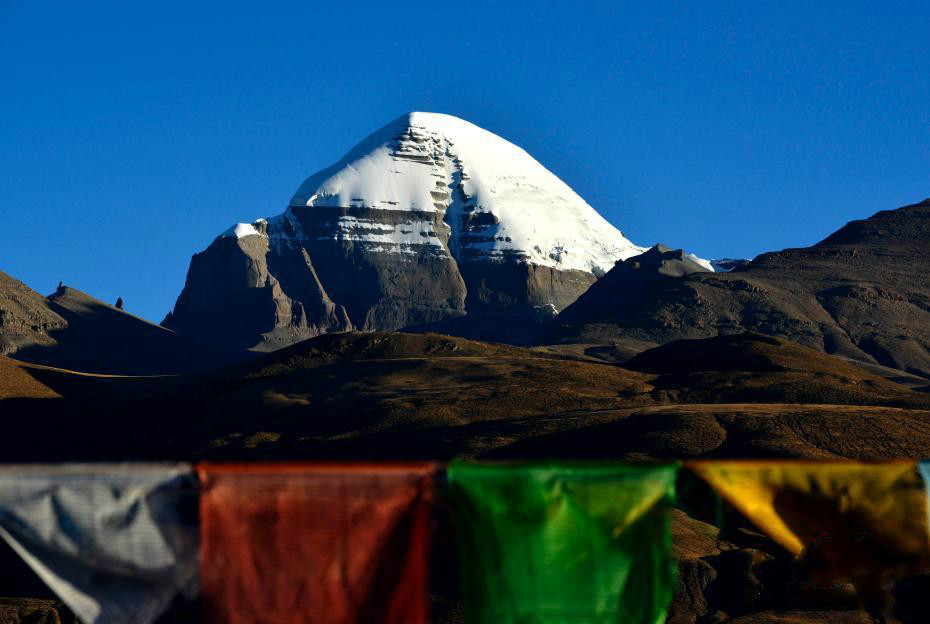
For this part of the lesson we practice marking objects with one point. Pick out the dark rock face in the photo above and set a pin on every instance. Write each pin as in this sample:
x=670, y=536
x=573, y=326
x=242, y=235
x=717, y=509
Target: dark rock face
x=264, y=293
x=863, y=293
x=238, y=298
x=517, y=290
x=268, y=290
x=379, y=288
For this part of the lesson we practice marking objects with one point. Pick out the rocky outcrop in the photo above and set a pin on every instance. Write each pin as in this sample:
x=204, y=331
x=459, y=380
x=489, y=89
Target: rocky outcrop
x=427, y=221
x=863, y=293
x=25, y=318
x=239, y=298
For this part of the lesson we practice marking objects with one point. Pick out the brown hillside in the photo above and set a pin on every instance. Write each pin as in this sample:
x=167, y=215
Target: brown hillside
x=431, y=396
x=17, y=383
x=863, y=293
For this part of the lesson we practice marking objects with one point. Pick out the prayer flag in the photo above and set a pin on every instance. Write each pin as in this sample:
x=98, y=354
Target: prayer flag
x=846, y=521
x=564, y=542
x=315, y=543
x=112, y=541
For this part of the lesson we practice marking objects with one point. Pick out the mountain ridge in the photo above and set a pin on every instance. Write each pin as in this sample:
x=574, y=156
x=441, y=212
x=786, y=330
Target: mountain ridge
x=862, y=292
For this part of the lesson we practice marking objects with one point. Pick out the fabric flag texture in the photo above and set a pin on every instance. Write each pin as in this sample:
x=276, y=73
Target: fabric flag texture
x=553, y=543
x=112, y=541
x=924, y=468
x=315, y=543
x=846, y=521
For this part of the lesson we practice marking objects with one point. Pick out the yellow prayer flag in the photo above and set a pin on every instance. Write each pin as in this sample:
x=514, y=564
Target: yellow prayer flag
x=844, y=520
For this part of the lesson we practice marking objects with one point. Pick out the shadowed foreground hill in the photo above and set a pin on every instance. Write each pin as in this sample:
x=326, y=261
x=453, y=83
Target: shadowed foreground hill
x=393, y=395
x=431, y=396
x=54, y=415
x=863, y=293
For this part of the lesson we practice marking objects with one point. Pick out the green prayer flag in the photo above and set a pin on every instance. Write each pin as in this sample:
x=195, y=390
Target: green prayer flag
x=545, y=543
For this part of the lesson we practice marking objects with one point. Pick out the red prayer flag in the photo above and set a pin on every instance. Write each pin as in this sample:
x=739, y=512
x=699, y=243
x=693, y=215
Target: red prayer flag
x=315, y=543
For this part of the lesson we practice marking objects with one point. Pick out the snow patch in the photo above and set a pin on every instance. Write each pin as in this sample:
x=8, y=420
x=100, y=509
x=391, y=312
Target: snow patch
x=241, y=230
x=707, y=264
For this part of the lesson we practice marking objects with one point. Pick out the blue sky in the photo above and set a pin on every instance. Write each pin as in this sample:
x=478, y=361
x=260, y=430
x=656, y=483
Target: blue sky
x=131, y=134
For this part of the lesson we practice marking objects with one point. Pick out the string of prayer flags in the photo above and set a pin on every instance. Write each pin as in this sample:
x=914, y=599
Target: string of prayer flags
x=116, y=543
x=348, y=543
x=564, y=542
x=315, y=543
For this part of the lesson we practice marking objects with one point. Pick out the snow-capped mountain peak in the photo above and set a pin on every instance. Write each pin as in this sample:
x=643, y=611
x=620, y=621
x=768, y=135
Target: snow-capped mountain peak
x=428, y=222
x=497, y=199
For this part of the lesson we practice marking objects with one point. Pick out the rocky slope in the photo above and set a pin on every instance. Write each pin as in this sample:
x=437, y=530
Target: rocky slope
x=863, y=293
x=26, y=320
x=428, y=219
x=72, y=330
x=626, y=282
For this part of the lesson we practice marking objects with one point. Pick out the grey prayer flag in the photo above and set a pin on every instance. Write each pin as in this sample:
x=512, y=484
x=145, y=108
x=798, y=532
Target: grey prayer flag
x=113, y=541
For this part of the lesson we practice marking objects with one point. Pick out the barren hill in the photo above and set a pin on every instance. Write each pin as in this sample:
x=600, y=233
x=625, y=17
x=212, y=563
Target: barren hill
x=863, y=293
x=398, y=395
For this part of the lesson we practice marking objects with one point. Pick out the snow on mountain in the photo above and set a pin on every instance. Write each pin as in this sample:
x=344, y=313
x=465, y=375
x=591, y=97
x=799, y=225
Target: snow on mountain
x=707, y=264
x=429, y=162
x=244, y=229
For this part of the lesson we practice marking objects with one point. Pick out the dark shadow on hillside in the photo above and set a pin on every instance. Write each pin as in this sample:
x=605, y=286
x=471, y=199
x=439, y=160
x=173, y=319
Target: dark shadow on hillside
x=103, y=339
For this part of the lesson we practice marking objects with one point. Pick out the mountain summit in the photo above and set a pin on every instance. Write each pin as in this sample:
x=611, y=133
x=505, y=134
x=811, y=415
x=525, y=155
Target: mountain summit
x=428, y=219
x=497, y=201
